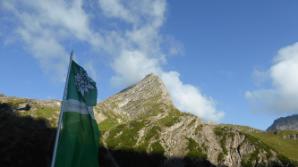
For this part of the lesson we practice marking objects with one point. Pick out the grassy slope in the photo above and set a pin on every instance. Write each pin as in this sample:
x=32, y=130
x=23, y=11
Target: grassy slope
x=24, y=140
x=286, y=147
x=49, y=113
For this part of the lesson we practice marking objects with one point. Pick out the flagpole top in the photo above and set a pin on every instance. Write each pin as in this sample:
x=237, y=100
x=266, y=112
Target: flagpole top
x=71, y=55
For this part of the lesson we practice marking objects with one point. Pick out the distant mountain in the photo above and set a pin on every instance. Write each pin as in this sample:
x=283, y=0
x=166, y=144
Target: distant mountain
x=284, y=123
x=140, y=126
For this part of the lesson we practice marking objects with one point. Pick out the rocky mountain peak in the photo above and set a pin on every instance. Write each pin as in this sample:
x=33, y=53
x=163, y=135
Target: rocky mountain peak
x=140, y=124
x=284, y=123
x=139, y=99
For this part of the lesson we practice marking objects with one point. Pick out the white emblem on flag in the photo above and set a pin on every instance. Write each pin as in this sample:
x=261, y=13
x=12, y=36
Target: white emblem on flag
x=83, y=82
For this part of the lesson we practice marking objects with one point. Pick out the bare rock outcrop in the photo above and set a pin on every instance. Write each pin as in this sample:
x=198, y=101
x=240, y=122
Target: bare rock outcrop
x=284, y=123
x=143, y=118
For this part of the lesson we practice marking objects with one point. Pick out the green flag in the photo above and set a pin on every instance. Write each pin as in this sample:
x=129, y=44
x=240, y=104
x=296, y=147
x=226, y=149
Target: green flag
x=77, y=144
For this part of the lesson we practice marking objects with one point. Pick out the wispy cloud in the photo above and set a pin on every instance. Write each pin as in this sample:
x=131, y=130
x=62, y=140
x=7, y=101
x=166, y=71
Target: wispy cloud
x=141, y=53
x=283, y=95
x=136, y=49
x=45, y=25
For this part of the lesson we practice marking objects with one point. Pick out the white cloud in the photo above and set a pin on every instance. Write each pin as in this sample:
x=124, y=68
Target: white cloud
x=45, y=25
x=139, y=50
x=283, y=95
x=136, y=48
x=136, y=12
x=189, y=98
x=113, y=8
x=132, y=66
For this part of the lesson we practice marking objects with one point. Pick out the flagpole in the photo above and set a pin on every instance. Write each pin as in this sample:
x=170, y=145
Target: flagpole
x=61, y=113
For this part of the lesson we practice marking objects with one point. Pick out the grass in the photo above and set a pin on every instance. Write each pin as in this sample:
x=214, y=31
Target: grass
x=222, y=133
x=172, y=118
x=153, y=132
x=124, y=136
x=157, y=148
x=107, y=124
x=286, y=132
x=250, y=160
x=44, y=113
x=14, y=103
x=195, y=150
x=39, y=111
x=286, y=147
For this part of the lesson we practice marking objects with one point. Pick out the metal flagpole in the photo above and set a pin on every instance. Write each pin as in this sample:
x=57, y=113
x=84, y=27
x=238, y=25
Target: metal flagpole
x=61, y=112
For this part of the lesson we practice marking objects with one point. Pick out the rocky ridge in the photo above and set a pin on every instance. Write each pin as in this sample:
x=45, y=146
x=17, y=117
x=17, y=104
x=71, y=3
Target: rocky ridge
x=130, y=104
x=284, y=123
x=142, y=119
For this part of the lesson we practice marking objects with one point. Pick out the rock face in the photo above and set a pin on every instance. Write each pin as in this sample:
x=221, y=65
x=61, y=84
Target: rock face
x=139, y=126
x=137, y=100
x=291, y=136
x=142, y=118
x=133, y=100
x=284, y=123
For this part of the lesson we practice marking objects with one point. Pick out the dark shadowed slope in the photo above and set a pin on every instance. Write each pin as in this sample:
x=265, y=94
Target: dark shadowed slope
x=24, y=141
x=27, y=141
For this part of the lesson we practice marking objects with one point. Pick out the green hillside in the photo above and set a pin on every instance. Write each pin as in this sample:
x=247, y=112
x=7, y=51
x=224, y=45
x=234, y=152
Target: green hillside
x=287, y=147
x=277, y=140
x=27, y=131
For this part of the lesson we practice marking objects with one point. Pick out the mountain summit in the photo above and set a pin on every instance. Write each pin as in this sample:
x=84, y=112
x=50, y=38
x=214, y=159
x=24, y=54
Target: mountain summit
x=142, y=118
x=139, y=99
x=284, y=123
x=140, y=126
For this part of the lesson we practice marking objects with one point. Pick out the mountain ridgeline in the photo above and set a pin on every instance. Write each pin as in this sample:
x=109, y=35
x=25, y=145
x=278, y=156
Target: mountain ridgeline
x=285, y=123
x=140, y=126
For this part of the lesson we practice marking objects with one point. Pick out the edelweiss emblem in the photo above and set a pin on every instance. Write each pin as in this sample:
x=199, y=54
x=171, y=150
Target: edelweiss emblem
x=83, y=82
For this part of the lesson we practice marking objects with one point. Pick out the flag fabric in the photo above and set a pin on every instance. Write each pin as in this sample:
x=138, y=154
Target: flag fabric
x=79, y=135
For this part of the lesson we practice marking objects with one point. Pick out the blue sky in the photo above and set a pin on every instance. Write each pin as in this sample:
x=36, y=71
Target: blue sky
x=227, y=61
